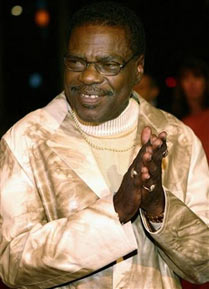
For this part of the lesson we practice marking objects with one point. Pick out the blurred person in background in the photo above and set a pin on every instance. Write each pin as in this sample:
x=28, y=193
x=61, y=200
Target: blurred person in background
x=148, y=88
x=191, y=100
x=191, y=104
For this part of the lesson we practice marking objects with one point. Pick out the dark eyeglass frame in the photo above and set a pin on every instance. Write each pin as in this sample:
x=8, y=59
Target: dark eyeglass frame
x=87, y=63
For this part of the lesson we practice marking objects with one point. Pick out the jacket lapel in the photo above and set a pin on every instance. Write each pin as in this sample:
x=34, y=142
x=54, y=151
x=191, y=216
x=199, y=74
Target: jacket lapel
x=71, y=148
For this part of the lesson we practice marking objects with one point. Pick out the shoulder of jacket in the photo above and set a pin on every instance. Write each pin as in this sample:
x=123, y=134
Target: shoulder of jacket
x=162, y=120
x=38, y=124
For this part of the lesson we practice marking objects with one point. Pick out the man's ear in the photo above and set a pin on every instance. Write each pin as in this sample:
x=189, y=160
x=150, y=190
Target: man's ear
x=140, y=68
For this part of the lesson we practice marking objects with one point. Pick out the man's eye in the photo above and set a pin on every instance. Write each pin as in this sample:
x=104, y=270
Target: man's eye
x=74, y=62
x=110, y=65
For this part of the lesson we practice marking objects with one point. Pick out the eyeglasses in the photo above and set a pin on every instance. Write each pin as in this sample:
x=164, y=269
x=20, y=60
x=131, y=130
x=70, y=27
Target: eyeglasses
x=108, y=68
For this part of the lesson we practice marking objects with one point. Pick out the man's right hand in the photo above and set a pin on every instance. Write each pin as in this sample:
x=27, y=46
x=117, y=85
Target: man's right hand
x=147, y=165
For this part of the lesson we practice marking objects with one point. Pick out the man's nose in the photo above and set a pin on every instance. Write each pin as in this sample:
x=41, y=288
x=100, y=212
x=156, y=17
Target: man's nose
x=90, y=75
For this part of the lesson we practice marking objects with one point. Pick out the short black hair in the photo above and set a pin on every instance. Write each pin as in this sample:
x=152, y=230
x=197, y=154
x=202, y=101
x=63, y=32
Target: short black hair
x=109, y=13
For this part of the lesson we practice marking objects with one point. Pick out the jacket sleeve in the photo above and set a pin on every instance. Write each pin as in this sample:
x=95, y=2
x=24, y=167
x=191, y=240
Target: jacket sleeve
x=183, y=239
x=35, y=253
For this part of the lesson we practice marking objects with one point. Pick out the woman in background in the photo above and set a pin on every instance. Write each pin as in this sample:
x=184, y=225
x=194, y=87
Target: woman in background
x=191, y=101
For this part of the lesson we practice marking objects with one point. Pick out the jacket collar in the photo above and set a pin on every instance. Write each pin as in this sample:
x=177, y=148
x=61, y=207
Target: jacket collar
x=71, y=148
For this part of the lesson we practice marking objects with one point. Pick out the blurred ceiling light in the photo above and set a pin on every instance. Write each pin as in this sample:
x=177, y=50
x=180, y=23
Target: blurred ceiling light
x=16, y=10
x=35, y=80
x=42, y=17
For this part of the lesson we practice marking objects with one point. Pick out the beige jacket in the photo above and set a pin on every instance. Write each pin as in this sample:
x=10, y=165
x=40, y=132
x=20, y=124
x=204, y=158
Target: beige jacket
x=58, y=222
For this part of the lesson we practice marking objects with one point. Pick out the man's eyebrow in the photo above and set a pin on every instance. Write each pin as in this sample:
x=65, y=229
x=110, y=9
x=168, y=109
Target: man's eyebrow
x=68, y=54
x=110, y=58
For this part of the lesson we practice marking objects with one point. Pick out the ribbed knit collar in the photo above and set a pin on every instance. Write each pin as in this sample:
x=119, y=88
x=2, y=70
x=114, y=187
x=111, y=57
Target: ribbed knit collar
x=123, y=123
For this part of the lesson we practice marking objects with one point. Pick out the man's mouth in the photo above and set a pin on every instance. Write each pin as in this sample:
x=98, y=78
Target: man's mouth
x=90, y=99
x=90, y=92
x=91, y=96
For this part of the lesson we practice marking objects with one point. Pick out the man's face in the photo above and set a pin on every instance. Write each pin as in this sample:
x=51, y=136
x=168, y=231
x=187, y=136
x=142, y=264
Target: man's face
x=96, y=97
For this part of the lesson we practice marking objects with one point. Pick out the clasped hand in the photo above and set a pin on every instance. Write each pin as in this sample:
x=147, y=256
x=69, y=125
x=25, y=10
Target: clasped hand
x=141, y=186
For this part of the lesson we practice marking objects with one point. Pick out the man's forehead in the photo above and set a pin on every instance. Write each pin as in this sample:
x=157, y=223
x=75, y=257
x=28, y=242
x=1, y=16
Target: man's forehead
x=101, y=26
x=101, y=39
x=97, y=30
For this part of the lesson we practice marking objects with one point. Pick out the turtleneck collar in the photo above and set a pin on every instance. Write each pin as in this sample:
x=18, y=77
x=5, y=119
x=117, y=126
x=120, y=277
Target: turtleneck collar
x=124, y=122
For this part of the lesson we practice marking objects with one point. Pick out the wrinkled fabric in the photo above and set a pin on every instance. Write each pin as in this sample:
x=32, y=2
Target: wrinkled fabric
x=57, y=220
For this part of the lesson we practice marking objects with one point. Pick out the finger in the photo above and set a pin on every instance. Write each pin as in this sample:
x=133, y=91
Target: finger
x=163, y=135
x=144, y=170
x=147, y=156
x=145, y=135
x=145, y=177
x=153, y=138
x=156, y=143
x=159, y=151
x=159, y=142
x=138, y=162
x=150, y=166
x=149, y=149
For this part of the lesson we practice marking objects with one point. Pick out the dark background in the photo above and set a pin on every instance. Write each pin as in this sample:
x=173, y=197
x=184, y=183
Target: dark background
x=174, y=29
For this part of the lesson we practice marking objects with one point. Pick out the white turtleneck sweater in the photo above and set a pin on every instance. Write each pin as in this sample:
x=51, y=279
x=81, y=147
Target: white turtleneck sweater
x=114, y=135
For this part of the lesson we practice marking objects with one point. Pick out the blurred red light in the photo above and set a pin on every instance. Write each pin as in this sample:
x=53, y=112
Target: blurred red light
x=170, y=81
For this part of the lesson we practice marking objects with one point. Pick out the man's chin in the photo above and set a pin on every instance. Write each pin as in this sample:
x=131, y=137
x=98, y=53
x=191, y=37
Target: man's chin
x=93, y=118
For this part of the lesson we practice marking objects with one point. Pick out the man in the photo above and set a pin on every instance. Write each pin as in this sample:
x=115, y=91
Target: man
x=148, y=89
x=84, y=201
